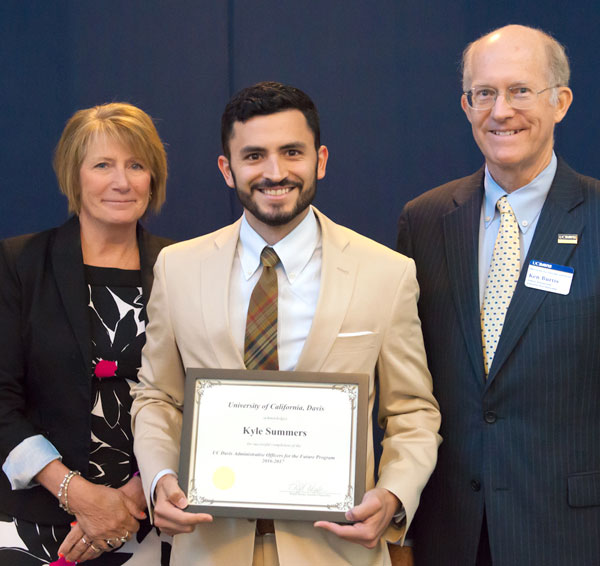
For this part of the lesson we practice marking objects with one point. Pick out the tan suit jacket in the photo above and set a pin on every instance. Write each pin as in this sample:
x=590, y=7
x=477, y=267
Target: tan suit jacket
x=364, y=287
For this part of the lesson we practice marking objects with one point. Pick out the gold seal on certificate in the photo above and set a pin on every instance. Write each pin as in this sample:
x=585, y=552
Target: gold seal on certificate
x=274, y=444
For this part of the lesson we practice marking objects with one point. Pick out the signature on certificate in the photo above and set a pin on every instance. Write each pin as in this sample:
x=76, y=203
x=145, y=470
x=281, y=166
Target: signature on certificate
x=306, y=488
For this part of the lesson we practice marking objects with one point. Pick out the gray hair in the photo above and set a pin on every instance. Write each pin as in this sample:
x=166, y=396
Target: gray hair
x=559, y=71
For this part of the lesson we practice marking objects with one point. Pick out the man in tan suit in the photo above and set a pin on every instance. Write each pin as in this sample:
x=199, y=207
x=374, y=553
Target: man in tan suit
x=345, y=304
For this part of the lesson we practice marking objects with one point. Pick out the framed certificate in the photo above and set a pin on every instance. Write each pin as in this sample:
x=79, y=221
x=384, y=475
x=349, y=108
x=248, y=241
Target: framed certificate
x=274, y=444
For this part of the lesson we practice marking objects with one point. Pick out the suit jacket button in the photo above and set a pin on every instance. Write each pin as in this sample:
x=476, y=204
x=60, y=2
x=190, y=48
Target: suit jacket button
x=490, y=417
x=475, y=485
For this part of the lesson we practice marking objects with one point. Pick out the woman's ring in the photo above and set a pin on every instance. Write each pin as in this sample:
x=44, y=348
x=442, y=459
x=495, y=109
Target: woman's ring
x=124, y=538
x=94, y=548
x=85, y=541
x=110, y=544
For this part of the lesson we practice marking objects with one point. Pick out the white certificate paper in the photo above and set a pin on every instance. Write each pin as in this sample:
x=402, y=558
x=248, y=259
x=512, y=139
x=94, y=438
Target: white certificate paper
x=272, y=444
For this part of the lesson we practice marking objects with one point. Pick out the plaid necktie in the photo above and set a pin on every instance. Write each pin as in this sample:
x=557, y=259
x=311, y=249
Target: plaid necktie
x=260, y=345
x=501, y=282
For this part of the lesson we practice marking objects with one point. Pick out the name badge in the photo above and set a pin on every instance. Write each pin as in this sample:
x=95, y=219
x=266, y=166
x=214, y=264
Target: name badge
x=549, y=277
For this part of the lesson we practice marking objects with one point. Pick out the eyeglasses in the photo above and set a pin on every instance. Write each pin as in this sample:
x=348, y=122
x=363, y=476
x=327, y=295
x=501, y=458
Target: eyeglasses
x=518, y=97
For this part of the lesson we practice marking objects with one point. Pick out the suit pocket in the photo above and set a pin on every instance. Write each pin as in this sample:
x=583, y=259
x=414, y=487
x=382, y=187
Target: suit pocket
x=566, y=308
x=584, y=489
x=355, y=343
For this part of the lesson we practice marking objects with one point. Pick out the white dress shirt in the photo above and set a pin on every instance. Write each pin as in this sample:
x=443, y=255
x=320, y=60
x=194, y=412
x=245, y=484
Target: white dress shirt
x=298, y=281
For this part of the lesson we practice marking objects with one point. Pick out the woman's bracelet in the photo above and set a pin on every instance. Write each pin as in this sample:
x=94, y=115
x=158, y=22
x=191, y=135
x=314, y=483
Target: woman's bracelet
x=63, y=491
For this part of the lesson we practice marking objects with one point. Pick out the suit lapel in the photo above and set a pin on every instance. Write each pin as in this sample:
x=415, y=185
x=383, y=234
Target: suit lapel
x=461, y=236
x=556, y=217
x=67, y=263
x=215, y=279
x=338, y=273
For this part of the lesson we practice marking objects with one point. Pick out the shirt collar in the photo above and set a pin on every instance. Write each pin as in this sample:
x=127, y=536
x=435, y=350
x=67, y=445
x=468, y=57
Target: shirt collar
x=294, y=251
x=526, y=202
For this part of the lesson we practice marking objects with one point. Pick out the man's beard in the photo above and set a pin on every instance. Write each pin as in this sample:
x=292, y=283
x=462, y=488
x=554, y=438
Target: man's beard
x=277, y=217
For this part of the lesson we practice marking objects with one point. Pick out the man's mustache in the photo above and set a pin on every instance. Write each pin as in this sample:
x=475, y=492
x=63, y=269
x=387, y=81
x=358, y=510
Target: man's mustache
x=268, y=184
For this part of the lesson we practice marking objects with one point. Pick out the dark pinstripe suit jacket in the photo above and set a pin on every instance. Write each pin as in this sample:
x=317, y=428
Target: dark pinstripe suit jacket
x=526, y=443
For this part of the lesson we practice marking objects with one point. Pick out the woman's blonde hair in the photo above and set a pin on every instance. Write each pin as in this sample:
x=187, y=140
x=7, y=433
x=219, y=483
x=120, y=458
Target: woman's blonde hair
x=123, y=123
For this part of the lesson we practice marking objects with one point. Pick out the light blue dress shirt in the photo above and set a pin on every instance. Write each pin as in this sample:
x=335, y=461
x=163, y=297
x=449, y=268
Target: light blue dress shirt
x=28, y=458
x=526, y=202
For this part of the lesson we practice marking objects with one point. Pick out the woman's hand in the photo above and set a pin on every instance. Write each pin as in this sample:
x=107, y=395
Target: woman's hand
x=103, y=512
x=106, y=518
x=133, y=489
x=73, y=555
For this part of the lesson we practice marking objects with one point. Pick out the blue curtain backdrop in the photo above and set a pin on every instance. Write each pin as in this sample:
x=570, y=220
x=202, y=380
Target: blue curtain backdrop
x=384, y=76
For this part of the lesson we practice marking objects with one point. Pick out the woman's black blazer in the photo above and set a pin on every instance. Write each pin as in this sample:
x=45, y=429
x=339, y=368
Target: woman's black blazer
x=45, y=353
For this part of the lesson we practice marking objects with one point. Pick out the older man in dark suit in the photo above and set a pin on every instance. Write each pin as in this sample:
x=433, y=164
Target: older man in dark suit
x=508, y=265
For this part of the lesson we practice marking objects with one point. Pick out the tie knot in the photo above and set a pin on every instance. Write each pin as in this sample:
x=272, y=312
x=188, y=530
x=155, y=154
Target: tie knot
x=504, y=206
x=269, y=257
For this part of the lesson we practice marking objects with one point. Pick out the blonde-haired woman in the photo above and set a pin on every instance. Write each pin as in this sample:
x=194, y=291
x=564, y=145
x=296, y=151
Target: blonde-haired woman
x=72, y=321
